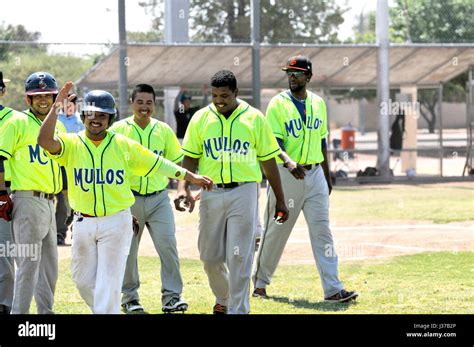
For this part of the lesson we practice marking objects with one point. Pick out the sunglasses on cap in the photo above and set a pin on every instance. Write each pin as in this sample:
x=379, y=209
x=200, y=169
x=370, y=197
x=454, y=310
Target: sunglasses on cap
x=295, y=73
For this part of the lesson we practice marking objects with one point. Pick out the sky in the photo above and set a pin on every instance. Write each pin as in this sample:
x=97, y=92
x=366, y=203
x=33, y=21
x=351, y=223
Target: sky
x=96, y=21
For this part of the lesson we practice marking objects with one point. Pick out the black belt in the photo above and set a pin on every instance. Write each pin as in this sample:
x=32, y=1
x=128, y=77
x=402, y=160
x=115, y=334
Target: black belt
x=43, y=195
x=310, y=166
x=80, y=214
x=147, y=195
x=229, y=185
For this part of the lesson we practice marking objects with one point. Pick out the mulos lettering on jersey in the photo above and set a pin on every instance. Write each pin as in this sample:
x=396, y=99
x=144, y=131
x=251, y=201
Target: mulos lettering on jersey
x=215, y=147
x=293, y=127
x=229, y=149
x=84, y=177
x=302, y=139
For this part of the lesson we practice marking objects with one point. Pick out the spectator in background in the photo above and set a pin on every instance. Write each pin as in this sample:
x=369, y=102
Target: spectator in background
x=70, y=118
x=184, y=112
x=73, y=124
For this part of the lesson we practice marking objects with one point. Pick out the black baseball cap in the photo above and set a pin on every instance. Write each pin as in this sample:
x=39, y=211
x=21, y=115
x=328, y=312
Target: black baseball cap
x=299, y=62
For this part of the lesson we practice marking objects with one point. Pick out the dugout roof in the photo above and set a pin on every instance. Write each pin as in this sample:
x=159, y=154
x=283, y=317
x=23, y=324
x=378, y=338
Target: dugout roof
x=334, y=66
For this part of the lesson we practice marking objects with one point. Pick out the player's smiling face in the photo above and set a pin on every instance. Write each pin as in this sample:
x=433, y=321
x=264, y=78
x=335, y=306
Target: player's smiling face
x=143, y=106
x=224, y=99
x=40, y=104
x=96, y=124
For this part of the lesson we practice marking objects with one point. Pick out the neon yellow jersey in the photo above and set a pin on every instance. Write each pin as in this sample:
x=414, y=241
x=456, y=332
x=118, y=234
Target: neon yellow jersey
x=229, y=149
x=99, y=177
x=302, y=141
x=5, y=114
x=157, y=137
x=30, y=167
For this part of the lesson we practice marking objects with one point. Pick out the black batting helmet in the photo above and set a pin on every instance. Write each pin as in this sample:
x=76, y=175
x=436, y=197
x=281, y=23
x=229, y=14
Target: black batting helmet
x=41, y=83
x=99, y=101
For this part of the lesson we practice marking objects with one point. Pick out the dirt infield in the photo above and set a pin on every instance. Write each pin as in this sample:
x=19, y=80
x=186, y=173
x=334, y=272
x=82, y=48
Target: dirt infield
x=355, y=240
x=353, y=243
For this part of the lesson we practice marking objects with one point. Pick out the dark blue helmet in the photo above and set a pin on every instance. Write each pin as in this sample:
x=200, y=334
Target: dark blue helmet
x=100, y=101
x=41, y=83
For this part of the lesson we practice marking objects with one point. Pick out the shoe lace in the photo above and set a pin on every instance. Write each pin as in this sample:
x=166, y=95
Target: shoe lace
x=172, y=301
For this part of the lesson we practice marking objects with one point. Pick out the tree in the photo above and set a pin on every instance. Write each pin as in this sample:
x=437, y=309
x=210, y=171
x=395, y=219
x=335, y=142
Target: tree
x=435, y=21
x=64, y=68
x=426, y=21
x=295, y=21
x=17, y=33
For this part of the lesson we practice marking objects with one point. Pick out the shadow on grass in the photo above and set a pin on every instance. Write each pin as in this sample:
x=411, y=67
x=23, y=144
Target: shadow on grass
x=319, y=306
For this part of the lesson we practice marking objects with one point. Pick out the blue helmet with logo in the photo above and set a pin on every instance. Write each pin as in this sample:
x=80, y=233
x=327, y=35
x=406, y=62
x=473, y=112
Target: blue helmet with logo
x=99, y=101
x=41, y=83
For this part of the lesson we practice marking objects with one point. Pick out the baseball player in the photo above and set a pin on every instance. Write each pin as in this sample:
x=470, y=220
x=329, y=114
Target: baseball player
x=35, y=179
x=152, y=206
x=298, y=120
x=7, y=270
x=226, y=140
x=99, y=164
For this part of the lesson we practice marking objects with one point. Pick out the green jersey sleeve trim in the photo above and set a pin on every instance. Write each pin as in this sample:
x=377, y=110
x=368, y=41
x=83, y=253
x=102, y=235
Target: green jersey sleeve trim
x=5, y=154
x=192, y=154
x=269, y=155
x=61, y=152
x=178, y=159
x=156, y=162
x=6, y=114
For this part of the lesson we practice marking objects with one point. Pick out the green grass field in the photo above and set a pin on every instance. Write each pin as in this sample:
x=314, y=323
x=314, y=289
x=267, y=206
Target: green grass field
x=431, y=203
x=389, y=203
x=427, y=283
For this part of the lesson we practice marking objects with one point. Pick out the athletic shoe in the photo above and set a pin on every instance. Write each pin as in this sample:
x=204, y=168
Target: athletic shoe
x=260, y=293
x=133, y=307
x=342, y=296
x=219, y=309
x=174, y=305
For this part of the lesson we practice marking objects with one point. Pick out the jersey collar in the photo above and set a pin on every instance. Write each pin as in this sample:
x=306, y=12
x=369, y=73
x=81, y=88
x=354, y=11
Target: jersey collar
x=243, y=106
x=84, y=138
x=148, y=127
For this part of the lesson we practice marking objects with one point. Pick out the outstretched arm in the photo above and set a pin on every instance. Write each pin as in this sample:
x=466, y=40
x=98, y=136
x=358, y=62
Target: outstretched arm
x=46, y=135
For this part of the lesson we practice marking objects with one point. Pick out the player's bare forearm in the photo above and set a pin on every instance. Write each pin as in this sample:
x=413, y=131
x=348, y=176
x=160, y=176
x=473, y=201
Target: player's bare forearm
x=325, y=166
x=184, y=199
x=2, y=181
x=284, y=156
x=190, y=164
x=46, y=134
x=273, y=175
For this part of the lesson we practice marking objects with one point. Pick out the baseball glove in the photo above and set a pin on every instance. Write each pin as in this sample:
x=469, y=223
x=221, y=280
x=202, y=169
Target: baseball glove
x=6, y=206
